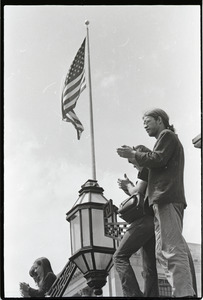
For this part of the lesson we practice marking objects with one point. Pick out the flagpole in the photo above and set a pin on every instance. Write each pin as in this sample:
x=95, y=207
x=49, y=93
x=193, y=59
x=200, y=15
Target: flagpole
x=91, y=107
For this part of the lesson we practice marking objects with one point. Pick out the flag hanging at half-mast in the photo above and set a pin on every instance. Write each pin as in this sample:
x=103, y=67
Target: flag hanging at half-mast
x=73, y=87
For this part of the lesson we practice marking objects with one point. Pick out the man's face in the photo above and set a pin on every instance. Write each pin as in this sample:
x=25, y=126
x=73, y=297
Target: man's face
x=151, y=126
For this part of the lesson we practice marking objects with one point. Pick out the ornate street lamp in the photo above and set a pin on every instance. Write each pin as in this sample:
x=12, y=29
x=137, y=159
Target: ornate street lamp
x=91, y=250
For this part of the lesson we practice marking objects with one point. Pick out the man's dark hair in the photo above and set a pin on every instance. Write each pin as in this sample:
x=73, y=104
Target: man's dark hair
x=157, y=112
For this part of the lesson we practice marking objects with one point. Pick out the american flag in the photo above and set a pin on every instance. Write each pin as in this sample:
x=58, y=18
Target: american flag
x=73, y=87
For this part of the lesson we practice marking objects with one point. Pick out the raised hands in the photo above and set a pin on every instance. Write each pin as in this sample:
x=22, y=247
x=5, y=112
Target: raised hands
x=126, y=152
x=24, y=287
x=125, y=184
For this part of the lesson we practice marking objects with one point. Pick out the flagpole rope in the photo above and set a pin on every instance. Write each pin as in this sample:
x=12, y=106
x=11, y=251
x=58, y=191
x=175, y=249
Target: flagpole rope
x=91, y=107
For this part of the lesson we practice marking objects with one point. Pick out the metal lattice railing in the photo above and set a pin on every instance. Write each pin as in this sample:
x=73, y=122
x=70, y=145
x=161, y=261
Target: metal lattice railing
x=112, y=228
x=61, y=283
x=115, y=230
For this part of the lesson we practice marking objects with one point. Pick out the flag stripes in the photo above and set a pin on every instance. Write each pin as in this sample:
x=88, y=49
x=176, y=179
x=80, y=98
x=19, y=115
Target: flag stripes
x=73, y=87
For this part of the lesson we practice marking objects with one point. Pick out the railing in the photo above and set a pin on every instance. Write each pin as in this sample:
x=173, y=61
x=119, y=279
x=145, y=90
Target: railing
x=112, y=228
x=61, y=283
x=116, y=230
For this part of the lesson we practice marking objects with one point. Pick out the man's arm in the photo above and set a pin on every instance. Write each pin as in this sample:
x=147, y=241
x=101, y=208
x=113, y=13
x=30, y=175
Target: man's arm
x=161, y=154
x=157, y=158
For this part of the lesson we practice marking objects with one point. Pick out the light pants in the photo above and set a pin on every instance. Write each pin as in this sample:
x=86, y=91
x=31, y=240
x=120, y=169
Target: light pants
x=172, y=250
x=140, y=234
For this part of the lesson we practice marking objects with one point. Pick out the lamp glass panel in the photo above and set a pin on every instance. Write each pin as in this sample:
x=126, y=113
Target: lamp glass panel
x=102, y=260
x=88, y=257
x=99, y=239
x=79, y=261
x=95, y=197
x=85, y=227
x=75, y=232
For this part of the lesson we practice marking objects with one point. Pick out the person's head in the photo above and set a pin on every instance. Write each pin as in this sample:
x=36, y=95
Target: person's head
x=155, y=121
x=40, y=268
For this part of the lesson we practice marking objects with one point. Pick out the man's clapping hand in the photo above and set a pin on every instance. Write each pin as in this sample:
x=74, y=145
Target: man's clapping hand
x=126, y=152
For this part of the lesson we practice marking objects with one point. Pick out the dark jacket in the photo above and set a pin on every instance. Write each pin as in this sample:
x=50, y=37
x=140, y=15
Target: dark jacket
x=46, y=285
x=163, y=169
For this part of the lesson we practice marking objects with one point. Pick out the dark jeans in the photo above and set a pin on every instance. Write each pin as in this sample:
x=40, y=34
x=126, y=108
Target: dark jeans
x=140, y=235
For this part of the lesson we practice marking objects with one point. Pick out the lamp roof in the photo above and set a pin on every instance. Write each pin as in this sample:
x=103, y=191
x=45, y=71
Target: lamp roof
x=91, y=192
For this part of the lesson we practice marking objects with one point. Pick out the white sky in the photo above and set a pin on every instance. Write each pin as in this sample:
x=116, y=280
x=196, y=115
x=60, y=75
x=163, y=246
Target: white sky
x=141, y=57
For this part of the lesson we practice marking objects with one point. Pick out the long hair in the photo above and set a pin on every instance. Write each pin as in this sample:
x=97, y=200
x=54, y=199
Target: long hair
x=157, y=112
x=46, y=266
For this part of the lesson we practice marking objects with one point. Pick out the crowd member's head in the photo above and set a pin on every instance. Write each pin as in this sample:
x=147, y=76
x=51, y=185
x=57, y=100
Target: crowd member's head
x=155, y=121
x=39, y=270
